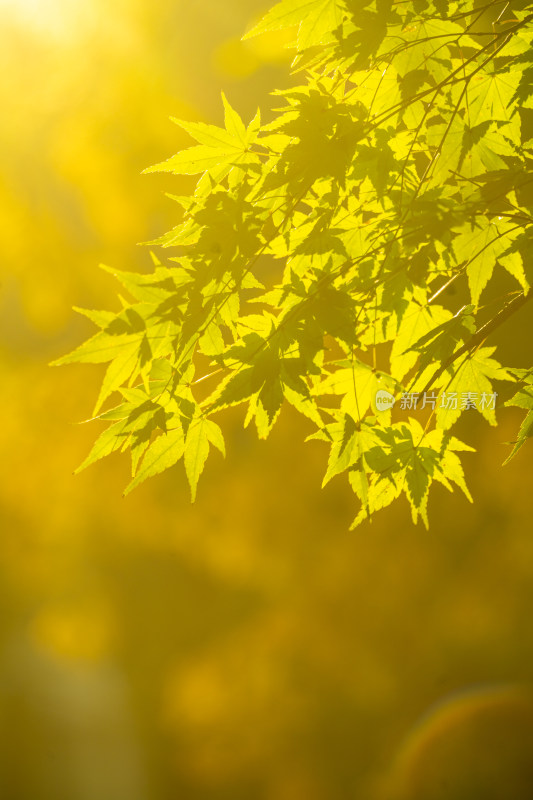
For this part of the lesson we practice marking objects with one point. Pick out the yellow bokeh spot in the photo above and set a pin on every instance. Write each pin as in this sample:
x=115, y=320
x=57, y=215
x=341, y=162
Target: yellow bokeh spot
x=233, y=59
x=273, y=46
x=198, y=695
x=239, y=59
x=73, y=634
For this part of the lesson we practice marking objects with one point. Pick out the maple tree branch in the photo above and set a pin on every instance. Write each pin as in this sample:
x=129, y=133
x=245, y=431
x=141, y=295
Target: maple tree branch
x=478, y=337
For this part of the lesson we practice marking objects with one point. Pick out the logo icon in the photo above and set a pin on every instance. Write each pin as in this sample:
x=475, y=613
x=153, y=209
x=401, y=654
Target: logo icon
x=384, y=400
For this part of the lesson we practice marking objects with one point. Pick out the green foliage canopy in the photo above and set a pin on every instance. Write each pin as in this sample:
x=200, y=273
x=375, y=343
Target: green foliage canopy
x=310, y=264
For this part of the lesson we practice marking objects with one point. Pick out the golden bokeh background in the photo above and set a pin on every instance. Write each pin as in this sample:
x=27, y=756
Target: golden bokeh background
x=247, y=647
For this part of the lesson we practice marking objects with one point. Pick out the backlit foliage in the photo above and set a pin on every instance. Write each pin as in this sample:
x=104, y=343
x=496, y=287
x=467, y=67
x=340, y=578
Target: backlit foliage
x=313, y=263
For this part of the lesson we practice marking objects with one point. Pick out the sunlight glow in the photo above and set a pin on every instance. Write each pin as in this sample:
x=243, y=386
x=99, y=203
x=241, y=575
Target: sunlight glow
x=59, y=18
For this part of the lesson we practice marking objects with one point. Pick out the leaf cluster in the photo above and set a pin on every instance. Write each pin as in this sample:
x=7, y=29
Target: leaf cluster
x=314, y=262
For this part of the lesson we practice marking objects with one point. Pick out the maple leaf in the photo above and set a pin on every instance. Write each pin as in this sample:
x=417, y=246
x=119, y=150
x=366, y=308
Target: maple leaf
x=219, y=149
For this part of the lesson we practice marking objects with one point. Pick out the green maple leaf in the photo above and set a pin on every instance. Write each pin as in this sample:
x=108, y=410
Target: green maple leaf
x=523, y=399
x=409, y=461
x=490, y=95
x=349, y=441
x=135, y=422
x=481, y=245
x=118, y=372
x=418, y=320
x=201, y=434
x=162, y=454
x=357, y=384
x=315, y=20
x=218, y=150
x=439, y=343
x=474, y=374
x=100, y=348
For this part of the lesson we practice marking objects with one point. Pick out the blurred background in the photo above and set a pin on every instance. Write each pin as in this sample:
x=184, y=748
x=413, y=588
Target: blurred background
x=247, y=647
